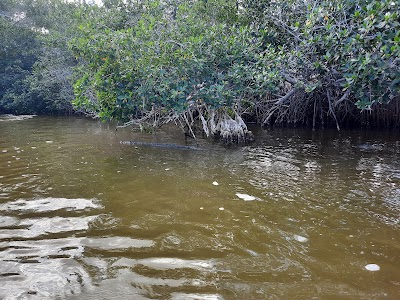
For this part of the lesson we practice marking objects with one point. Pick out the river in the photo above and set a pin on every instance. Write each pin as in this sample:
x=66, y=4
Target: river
x=296, y=215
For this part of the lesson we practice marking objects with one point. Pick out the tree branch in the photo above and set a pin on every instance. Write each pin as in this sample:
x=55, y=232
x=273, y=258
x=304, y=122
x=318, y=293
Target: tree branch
x=283, y=99
x=331, y=109
x=343, y=98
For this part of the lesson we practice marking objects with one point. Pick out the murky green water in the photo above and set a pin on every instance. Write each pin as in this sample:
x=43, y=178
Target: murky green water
x=84, y=217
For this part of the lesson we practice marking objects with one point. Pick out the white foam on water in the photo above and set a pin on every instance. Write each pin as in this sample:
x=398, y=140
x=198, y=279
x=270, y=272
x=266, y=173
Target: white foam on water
x=245, y=197
x=300, y=238
x=165, y=263
x=184, y=296
x=372, y=267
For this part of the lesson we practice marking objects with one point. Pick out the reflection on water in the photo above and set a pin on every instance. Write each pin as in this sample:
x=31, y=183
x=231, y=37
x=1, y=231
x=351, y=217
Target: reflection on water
x=298, y=215
x=4, y=118
x=48, y=204
x=33, y=263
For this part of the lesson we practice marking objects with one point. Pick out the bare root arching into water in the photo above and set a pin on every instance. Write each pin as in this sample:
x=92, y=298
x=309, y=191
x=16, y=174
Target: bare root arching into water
x=220, y=123
x=217, y=123
x=328, y=108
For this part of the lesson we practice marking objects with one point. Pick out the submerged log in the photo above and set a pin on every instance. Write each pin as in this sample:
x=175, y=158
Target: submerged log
x=160, y=145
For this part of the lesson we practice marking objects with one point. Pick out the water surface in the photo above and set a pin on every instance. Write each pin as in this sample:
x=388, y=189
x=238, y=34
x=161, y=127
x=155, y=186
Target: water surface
x=297, y=215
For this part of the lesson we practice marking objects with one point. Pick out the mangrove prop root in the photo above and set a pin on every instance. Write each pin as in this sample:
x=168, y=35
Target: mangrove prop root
x=218, y=123
x=221, y=125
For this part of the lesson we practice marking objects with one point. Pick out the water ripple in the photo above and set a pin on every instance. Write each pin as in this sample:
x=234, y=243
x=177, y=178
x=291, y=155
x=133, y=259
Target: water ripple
x=49, y=204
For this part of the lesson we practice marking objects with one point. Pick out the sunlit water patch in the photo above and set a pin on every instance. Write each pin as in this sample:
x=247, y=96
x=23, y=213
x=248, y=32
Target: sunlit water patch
x=44, y=268
x=49, y=204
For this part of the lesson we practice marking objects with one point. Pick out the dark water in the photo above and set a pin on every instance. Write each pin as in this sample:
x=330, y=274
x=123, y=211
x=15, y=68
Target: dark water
x=297, y=215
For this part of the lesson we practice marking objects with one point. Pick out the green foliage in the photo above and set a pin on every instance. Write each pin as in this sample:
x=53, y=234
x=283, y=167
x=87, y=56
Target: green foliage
x=50, y=81
x=170, y=58
x=281, y=60
x=36, y=65
x=18, y=52
x=349, y=48
x=372, y=71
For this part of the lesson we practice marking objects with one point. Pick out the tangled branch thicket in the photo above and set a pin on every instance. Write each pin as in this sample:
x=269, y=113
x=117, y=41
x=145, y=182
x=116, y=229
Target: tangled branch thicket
x=215, y=123
x=313, y=63
x=213, y=65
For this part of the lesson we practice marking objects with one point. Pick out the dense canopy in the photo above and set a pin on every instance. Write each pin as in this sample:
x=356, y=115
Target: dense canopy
x=210, y=66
